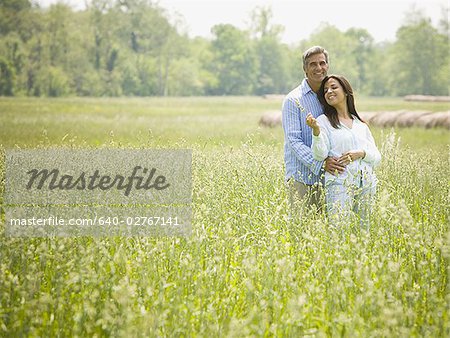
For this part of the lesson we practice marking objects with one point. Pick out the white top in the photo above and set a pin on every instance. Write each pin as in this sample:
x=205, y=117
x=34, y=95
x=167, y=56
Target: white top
x=335, y=142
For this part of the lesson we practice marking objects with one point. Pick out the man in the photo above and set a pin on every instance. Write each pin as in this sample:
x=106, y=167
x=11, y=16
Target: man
x=304, y=174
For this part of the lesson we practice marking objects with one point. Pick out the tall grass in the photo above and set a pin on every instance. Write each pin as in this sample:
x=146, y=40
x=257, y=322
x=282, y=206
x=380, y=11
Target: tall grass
x=248, y=269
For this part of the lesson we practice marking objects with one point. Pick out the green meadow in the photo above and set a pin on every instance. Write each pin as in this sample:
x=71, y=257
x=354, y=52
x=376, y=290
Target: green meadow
x=248, y=269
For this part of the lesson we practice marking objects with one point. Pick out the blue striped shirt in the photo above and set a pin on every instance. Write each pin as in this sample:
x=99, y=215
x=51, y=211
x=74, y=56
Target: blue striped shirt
x=298, y=156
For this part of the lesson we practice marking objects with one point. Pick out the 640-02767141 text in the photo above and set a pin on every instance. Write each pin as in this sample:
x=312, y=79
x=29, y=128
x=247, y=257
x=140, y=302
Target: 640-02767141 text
x=100, y=221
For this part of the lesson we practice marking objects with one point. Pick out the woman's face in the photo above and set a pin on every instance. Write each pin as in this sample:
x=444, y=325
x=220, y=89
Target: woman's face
x=334, y=93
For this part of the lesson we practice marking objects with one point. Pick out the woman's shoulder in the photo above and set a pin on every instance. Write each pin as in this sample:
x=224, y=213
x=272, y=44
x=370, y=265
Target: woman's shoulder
x=323, y=120
x=361, y=124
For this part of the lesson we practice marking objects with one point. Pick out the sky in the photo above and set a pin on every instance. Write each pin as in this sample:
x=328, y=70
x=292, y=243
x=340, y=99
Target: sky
x=300, y=18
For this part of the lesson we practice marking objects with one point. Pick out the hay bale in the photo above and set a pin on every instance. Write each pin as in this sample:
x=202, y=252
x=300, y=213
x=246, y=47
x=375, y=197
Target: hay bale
x=442, y=119
x=386, y=119
x=439, y=119
x=270, y=119
x=367, y=116
x=425, y=121
x=274, y=97
x=400, y=118
x=407, y=119
x=427, y=98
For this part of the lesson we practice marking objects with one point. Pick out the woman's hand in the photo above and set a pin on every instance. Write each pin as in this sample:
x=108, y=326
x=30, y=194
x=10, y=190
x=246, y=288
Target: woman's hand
x=312, y=123
x=351, y=156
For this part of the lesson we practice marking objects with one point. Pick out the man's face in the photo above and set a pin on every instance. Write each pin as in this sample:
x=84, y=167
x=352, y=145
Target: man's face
x=316, y=68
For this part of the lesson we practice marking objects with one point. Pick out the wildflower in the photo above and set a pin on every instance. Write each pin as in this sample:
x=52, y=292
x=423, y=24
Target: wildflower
x=297, y=102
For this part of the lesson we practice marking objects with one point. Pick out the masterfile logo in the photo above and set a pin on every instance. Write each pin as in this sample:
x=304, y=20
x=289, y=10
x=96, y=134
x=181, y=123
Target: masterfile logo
x=103, y=176
x=99, y=192
x=52, y=179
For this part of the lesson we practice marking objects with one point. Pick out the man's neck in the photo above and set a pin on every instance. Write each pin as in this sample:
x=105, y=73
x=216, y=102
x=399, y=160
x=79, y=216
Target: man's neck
x=314, y=86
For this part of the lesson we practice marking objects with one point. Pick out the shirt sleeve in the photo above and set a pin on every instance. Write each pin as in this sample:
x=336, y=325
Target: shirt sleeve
x=373, y=156
x=294, y=135
x=321, y=144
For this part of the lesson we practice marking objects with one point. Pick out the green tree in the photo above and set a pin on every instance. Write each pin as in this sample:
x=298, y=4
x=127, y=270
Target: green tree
x=13, y=54
x=362, y=52
x=273, y=64
x=145, y=29
x=104, y=48
x=14, y=16
x=53, y=81
x=6, y=77
x=294, y=66
x=421, y=58
x=234, y=61
x=189, y=74
x=340, y=47
x=378, y=74
x=54, y=53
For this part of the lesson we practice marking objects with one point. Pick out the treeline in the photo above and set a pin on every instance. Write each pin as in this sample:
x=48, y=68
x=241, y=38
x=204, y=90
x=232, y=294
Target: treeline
x=133, y=47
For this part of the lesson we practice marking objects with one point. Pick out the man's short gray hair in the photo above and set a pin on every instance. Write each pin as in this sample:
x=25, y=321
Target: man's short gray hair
x=312, y=51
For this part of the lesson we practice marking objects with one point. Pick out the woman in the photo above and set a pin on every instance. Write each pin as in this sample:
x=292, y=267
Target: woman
x=340, y=132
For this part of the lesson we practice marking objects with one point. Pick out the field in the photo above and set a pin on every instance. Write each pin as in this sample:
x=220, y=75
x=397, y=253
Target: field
x=248, y=269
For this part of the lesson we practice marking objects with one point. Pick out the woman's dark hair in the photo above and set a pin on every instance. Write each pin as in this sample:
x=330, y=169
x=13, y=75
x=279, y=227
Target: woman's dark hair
x=330, y=111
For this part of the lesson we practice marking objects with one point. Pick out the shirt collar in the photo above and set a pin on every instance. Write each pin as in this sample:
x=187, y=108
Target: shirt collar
x=305, y=88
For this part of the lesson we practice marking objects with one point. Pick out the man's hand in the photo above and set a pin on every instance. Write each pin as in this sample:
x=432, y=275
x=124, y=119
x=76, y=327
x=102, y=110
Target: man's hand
x=333, y=166
x=312, y=123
